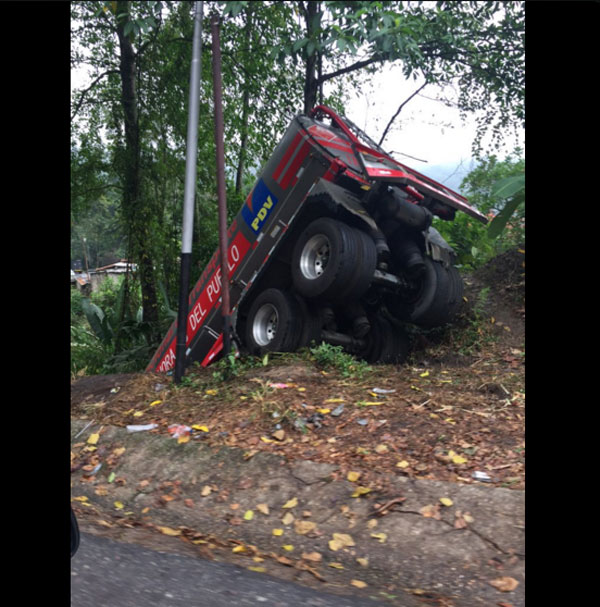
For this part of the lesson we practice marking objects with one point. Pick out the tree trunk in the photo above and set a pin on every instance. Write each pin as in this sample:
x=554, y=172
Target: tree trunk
x=245, y=107
x=311, y=82
x=135, y=211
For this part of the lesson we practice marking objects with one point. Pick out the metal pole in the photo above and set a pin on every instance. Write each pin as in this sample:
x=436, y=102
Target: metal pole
x=221, y=193
x=189, y=193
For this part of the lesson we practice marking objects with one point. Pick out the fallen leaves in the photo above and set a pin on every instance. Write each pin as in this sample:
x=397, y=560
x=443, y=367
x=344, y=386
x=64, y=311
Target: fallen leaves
x=504, y=584
x=340, y=540
x=291, y=503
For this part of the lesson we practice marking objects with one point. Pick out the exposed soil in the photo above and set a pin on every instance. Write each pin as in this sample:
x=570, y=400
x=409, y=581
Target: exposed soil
x=454, y=409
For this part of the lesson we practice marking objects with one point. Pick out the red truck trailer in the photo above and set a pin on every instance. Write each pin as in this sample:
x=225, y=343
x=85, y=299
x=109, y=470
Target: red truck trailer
x=334, y=243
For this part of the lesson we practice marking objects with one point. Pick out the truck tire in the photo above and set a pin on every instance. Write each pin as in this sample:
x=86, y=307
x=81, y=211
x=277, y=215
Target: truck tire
x=386, y=344
x=273, y=323
x=430, y=306
x=311, y=324
x=456, y=292
x=364, y=267
x=324, y=259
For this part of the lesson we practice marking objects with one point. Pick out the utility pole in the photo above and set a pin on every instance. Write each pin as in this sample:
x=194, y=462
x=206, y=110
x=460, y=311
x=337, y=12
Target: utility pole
x=221, y=191
x=189, y=193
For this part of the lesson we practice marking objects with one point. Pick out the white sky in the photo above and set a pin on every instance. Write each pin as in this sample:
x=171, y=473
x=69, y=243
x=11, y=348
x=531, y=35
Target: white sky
x=425, y=128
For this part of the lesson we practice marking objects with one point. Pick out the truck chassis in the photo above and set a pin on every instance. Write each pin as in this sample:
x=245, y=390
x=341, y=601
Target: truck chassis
x=334, y=243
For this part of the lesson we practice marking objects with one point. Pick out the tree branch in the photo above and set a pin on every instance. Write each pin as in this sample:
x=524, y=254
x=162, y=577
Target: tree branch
x=89, y=88
x=350, y=68
x=389, y=124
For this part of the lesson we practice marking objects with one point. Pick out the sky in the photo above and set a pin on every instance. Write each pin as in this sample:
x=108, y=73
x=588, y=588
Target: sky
x=425, y=129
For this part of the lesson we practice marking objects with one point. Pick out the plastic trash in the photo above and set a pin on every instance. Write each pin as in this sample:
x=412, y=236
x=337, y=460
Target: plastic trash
x=481, y=476
x=362, y=422
x=338, y=410
x=177, y=430
x=141, y=428
x=382, y=391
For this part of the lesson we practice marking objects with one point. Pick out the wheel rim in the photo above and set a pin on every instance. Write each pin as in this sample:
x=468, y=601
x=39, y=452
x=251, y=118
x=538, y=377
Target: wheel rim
x=265, y=323
x=315, y=256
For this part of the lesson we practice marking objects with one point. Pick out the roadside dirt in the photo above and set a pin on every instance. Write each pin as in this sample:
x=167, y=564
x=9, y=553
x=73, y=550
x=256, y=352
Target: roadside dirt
x=456, y=408
x=454, y=412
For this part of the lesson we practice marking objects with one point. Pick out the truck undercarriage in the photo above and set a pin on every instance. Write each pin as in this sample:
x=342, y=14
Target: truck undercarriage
x=334, y=243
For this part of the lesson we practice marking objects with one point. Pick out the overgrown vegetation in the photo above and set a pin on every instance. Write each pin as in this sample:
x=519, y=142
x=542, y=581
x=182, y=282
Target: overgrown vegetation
x=129, y=124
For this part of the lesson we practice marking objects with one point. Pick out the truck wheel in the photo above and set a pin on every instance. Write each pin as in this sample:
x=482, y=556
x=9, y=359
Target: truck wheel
x=456, y=292
x=311, y=324
x=273, y=323
x=429, y=307
x=324, y=259
x=364, y=267
x=386, y=344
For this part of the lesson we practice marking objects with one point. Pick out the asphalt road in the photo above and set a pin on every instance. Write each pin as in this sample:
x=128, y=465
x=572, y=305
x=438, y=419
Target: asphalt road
x=105, y=573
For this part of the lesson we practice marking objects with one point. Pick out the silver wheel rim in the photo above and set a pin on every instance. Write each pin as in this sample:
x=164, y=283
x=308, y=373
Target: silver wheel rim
x=315, y=256
x=265, y=323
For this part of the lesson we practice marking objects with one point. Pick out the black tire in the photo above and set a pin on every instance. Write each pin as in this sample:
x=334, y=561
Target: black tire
x=323, y=259
x=273, y=323
x=364, y=267
x=386, y=344
x=430, y=307
x=311, y=324
x=456, y=292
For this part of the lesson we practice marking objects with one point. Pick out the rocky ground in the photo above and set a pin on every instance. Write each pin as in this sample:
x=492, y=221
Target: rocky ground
x=414, y=472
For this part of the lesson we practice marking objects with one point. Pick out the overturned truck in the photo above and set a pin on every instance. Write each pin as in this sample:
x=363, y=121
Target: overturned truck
x=334, y=243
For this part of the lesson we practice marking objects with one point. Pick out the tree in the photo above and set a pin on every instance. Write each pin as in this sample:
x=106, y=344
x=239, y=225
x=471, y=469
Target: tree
x=477, y=45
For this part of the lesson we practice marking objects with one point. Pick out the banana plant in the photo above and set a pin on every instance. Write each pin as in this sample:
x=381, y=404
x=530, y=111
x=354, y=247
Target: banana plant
x=511, y=189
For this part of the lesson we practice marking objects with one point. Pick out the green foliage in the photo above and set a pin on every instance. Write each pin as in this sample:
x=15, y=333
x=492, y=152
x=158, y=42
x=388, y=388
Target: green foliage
x=327, y=356
x=484, y=187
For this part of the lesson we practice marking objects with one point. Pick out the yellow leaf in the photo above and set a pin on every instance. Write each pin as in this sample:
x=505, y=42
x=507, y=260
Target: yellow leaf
x=334, y=400
x=370, y=403
x=363, y=561
x=324, y=411
x=184, y=439
x=291, y=503
x=315, y=557
x=468, y=518
x=264, y=508
x=458, y=459
x=353, y=476
x=288, y=519
x=81, y=498
x=119, y=451
x=426, y=374
x=361, y=491
x=93, y=439
x=344, y=539
x=257, y=569
x=119, y=505
x=156, y=402
x=138, y=414
x=336, y=565
x=248, y=515
x=201, y=428
x=205, y=490
x=446, y=501
x=288, y=547
x=380, y=536
x=449, y=420
x=211, y=392
x=402, y=464
x=258, y=559
x=335, y=545
x=358, y=583
x=301, y=389
x=278, y=532
x=264, y=439
x=146, y=509
x=240, y=548
x=304, y=527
